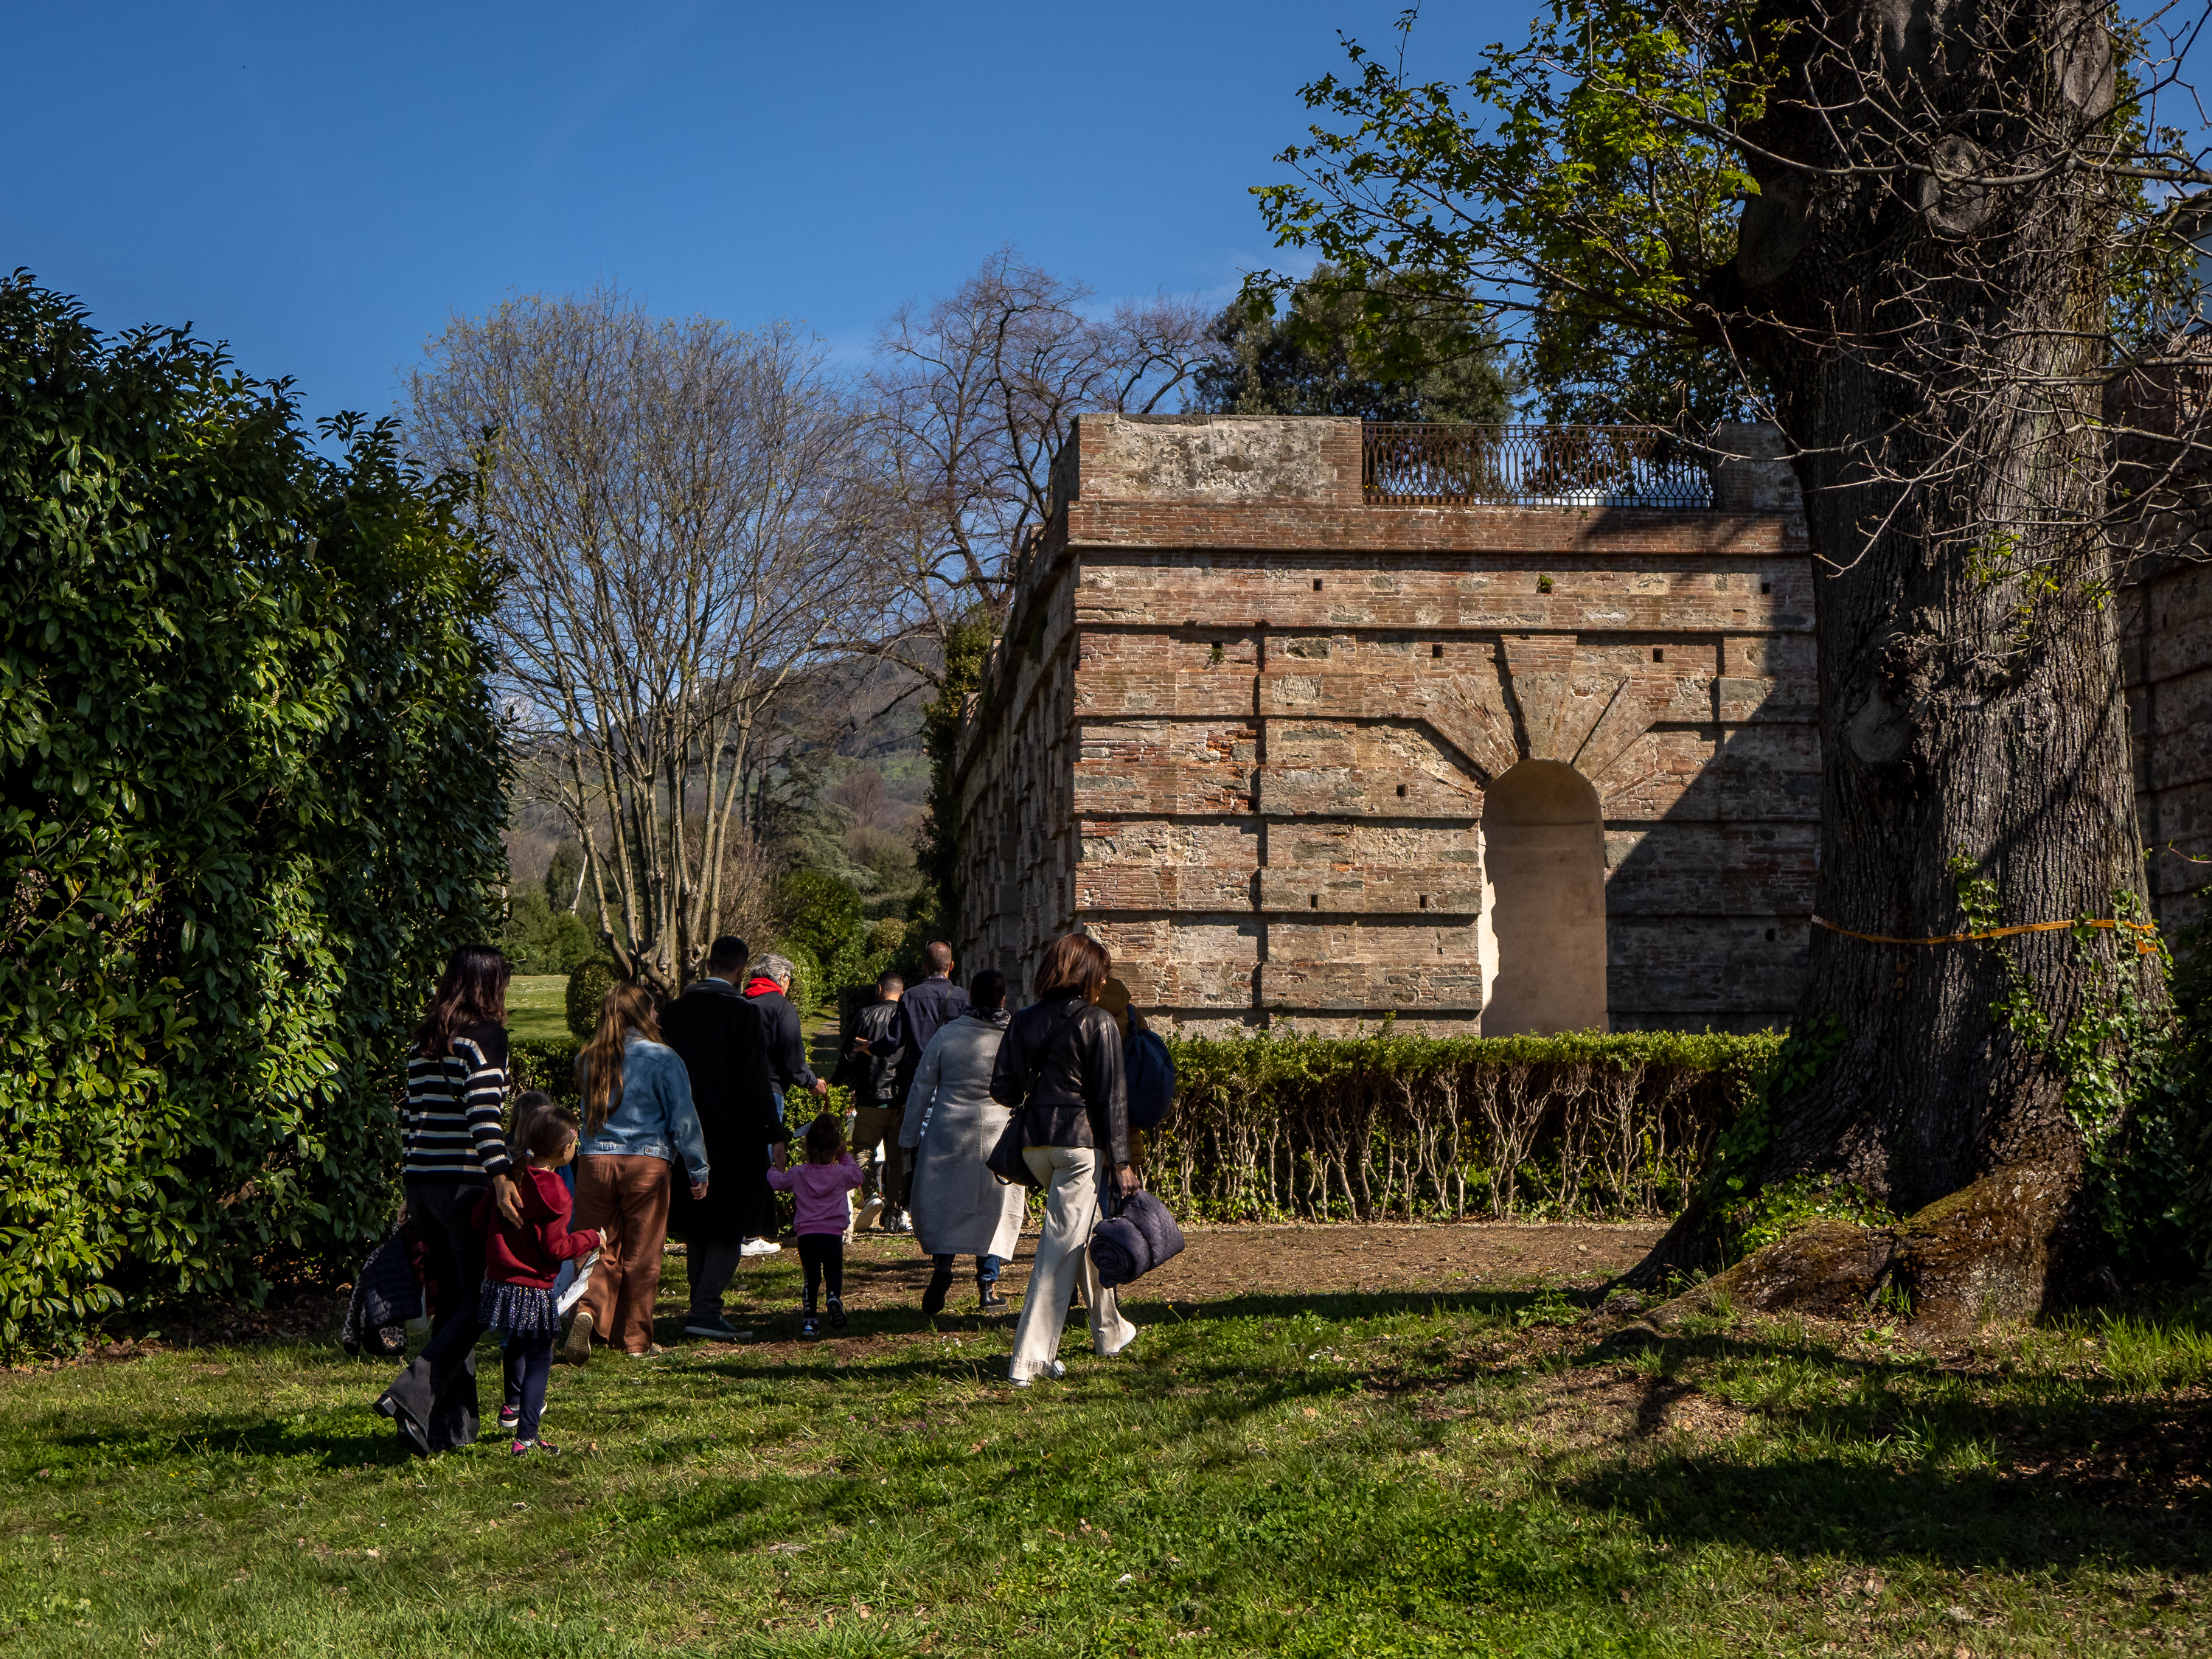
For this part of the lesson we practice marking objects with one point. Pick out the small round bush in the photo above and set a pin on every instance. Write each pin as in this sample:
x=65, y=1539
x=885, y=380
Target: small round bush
x=588, y=984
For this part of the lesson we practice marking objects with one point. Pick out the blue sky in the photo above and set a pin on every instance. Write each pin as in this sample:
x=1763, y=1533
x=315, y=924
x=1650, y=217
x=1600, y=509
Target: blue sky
x=320, y=186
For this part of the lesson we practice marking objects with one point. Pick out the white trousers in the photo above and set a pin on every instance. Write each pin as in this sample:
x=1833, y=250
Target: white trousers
x=1072, y=1176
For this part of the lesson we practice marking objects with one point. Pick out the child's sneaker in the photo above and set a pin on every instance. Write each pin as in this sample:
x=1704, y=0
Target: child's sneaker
x=810, y=1326
x=509, y=1416
x=837, y=1313
x=520, y=1446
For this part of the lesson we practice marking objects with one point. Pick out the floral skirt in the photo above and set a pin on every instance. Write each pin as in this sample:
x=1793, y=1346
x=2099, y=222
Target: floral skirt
x=517, y=1310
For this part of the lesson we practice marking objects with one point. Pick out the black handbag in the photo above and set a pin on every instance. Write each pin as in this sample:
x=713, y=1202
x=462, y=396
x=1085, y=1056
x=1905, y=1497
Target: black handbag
x=1005, y=1160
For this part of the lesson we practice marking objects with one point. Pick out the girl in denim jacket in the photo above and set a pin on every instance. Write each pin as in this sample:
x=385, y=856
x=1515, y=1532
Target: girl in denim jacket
x=639, y=1123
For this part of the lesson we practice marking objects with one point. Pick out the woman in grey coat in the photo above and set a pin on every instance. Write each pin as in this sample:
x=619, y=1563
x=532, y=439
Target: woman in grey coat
x=950, y=1126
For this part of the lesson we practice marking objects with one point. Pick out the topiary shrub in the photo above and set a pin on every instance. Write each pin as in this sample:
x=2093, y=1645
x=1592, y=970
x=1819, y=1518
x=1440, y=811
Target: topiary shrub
x=588, y=985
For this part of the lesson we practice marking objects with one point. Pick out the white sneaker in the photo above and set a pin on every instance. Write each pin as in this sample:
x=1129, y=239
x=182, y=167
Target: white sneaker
x=762, y=1247
x=870, y=1213
x=901, y=1223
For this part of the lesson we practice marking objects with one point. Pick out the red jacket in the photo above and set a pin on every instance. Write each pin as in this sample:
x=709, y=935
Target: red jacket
x=532, y=1254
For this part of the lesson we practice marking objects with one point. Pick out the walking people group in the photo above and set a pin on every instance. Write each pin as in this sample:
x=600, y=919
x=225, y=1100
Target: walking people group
x=686, y=1126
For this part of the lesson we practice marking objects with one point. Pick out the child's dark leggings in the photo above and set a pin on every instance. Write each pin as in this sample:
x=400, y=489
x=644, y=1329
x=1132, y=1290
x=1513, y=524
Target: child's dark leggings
x=529, y=1362
x=823, y=1256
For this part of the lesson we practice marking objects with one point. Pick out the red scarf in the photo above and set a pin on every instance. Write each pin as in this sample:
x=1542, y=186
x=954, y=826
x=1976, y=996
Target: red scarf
x=760, y=986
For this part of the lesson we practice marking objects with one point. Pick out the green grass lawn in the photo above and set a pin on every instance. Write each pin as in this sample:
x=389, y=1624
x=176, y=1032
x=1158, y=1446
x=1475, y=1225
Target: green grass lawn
x=1326, y=1475
x=538, y=1008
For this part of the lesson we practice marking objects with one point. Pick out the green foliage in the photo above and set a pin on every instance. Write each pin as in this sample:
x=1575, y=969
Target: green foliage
x=251, y=786
x=1730, y=1184
x=1777, y=1210
x=2134, y=1070
x=822, y=914
x=1315, y=359
x=885, y=938
x=550, y=1066
x=967, y=647
x=1285, y=1125
x=540, y=939
x=589, y=982
x=806, y=982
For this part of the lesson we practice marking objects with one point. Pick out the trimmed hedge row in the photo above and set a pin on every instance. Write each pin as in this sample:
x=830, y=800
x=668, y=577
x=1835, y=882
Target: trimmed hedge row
x=1280, y=1127
x=1272, y=1128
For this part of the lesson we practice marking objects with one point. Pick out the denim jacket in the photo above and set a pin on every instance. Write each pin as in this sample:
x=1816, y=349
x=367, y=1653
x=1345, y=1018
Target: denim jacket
x=653, y=1115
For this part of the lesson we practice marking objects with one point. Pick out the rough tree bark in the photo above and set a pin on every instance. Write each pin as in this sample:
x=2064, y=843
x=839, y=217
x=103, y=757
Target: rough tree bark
x=1937, y=343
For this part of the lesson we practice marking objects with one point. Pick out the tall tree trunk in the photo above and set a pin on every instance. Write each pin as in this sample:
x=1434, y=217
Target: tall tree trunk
x=1932, y=341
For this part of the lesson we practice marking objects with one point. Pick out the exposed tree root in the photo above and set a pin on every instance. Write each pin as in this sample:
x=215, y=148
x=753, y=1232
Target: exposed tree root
x=2006, y=1248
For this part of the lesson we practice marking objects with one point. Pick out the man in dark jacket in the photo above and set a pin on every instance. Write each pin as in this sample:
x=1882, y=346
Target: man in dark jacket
x=769, y=990
x=924, y=1008
x=722, y=1040
x=878, y=1104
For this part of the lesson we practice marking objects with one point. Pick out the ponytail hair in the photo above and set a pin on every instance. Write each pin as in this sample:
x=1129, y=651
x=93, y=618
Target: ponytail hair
x=599, y=1068
x=473, y=991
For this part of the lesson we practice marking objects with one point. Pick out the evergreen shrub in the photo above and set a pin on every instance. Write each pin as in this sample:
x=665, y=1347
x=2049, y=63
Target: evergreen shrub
x=251, y=787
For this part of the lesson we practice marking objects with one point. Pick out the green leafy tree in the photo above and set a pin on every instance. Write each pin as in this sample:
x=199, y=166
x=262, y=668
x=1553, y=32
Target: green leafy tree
x=1931, y=243
x=1313, y=357
x=822, y=915
x=251, y=787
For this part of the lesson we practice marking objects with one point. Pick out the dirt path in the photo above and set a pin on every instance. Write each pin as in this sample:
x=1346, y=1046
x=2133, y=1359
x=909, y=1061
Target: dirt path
x=1228, y=1264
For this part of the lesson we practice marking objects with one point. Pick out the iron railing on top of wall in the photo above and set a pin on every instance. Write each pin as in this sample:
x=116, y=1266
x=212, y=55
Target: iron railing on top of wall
x=1405, y=464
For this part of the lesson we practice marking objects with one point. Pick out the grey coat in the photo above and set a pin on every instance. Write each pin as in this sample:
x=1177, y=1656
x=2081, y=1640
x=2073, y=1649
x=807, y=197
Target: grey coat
x=951, y=1123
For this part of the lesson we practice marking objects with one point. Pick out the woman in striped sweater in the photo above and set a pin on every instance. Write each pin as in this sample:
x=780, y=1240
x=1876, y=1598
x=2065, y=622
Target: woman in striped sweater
x=454, y=1148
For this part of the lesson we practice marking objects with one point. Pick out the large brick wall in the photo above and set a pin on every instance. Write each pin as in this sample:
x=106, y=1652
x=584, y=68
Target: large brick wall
x=1241, y=725
x=1243, y=722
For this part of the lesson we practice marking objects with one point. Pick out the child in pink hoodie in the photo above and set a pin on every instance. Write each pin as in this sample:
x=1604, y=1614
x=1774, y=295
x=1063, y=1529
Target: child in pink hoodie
x=820, y=1185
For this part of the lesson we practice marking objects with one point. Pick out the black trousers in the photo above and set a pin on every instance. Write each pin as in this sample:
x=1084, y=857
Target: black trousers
x=709, y=1266
x=432, y=1403
x=529, y=1364
x=823, y=1256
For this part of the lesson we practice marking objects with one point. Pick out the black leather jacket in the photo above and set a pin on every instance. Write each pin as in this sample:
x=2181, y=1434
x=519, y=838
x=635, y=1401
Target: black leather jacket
x=1061, y=1063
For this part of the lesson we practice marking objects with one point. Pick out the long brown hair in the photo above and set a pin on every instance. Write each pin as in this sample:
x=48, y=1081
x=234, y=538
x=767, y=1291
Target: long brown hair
x=599, y=1068
x=471, y=992
x=1075, y=965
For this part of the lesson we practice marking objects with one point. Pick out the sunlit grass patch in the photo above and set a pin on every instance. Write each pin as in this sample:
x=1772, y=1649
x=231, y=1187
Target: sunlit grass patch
x=1343, y=1474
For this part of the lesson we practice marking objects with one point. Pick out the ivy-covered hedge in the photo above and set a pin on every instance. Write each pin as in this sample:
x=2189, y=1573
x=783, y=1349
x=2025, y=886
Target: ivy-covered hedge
x=1278, y=1127
x=251, y=787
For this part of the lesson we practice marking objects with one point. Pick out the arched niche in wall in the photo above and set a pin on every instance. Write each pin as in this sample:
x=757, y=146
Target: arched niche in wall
x=1543, y=850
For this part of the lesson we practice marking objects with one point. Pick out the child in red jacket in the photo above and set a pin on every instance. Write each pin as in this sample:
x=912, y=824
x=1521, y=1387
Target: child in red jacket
x=520, y=1264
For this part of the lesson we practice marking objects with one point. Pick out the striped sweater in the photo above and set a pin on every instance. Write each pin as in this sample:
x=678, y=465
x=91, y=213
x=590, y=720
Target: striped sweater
x=453, y=1109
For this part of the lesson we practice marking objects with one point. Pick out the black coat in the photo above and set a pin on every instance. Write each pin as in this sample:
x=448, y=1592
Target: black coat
x=1060, y=1064
x=787, y=1047
x=722, y=1040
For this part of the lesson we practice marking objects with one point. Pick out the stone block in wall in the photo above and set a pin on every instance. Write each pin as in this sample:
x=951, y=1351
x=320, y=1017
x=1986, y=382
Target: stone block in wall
x=1751, y=471
x=1692, y=967
x=1186, y=961
x=1136, y=693
x=1765, y=774
x=1172, y=768
x=1711, y=868
x=1375, y=988
x=1440, y=596
x=1231, y=458
x=1390, y=769
x=1372, y=888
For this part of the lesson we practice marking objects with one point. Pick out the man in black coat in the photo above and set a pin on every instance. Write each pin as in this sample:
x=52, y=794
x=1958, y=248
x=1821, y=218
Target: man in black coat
x=722, y=1040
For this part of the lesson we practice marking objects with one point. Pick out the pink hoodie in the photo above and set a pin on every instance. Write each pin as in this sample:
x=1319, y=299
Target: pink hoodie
x=821, y=1189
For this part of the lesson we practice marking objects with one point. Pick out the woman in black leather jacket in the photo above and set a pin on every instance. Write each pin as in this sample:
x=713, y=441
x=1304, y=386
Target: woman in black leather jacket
x=1060, y=1066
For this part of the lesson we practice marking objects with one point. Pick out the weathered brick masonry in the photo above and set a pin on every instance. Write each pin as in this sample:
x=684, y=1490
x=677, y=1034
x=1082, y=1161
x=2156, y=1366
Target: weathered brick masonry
x=1255, y=733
